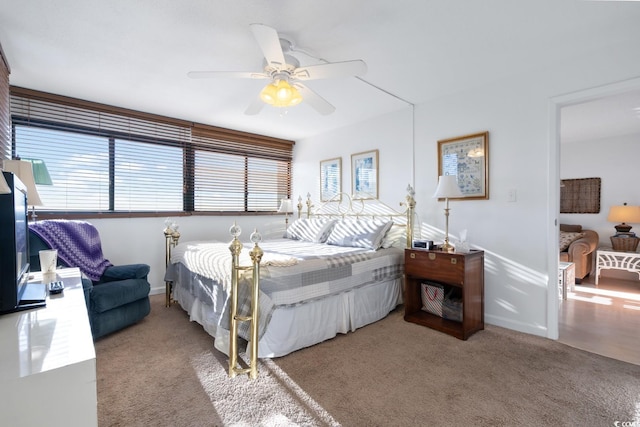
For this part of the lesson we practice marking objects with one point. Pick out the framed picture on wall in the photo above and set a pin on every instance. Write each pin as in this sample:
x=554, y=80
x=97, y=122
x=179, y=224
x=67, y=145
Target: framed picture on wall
x=466, y=157
x=331, y=180
x=364, y=175
x=580, y=195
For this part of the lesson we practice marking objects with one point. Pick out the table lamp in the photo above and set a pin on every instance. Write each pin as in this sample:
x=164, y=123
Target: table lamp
x=286, y=207
x=447, y=188
x=624, y=239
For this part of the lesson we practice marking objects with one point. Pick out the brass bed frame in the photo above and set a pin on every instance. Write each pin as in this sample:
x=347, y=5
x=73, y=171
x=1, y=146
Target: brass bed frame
x=340, y=206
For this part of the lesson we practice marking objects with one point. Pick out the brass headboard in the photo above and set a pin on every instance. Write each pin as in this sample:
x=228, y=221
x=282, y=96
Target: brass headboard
x=343, y=205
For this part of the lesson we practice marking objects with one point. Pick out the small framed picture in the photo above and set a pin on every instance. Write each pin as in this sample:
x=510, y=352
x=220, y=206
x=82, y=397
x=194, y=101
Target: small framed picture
x=466, y=157
x=331, y=180
x=364, y=175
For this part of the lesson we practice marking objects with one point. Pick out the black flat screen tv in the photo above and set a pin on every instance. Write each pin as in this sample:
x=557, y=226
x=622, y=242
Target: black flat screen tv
x=15, y=293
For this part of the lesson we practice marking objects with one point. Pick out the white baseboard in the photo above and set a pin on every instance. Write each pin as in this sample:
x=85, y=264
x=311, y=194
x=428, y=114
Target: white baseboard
x=516, y=325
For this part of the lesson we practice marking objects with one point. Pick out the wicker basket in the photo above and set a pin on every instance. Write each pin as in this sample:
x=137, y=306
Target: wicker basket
x=626, y=244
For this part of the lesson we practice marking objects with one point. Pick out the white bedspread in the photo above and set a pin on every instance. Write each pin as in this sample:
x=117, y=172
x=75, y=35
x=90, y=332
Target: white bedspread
x=292, y=272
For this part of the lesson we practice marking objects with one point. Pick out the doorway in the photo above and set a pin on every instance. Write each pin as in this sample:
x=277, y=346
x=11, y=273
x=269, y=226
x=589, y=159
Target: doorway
x=602, y=319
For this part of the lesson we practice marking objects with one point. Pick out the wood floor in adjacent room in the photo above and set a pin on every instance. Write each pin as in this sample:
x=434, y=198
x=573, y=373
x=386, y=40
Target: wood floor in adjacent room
x=603, y=319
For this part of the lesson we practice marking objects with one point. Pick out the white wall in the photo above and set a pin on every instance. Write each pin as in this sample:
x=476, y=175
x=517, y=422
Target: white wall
x=392, y=135
x=520, y=265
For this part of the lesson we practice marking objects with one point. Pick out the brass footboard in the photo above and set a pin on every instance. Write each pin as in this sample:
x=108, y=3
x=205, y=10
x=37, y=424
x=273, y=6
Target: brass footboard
x=171, y=237
x=256, y=256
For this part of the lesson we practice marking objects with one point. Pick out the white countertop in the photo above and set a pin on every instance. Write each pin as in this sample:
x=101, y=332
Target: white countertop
x=47, y=338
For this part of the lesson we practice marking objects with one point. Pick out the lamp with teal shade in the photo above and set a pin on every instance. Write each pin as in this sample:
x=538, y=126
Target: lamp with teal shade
x=23, y=169
x=40, y=172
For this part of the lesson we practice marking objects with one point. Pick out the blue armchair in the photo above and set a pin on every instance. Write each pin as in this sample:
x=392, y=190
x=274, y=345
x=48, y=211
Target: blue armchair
x=118, y=299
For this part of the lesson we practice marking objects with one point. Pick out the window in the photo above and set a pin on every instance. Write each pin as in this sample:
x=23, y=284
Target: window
x=148, y=177
x=104, y=159
x=78, y=165
x=239, y=176
x=219, y=181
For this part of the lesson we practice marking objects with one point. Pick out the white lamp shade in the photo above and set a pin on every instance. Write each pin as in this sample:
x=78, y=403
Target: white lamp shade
x=447, y=187
x=626, y=214
x=23, y=170
x=286, y=206
x=4, y=187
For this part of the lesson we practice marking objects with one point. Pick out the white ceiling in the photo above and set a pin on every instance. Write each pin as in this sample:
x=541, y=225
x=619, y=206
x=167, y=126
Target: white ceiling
x=136, y=54
x=611, y=116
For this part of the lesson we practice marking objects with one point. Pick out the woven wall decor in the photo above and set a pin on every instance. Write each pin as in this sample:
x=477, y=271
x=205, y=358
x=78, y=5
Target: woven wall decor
x=580, y=195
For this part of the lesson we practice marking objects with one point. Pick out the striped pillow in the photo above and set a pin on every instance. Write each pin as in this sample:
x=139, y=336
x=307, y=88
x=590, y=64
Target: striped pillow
x=359, y=233
x=314, y=230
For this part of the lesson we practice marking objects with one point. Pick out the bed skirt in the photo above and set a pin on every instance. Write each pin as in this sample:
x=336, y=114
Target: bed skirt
x=295, y=327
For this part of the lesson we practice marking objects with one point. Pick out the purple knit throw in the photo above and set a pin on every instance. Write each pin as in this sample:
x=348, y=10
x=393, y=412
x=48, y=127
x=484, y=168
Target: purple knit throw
x=77, y=242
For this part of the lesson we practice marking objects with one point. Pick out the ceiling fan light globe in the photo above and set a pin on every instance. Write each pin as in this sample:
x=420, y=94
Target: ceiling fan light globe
x=284, y=95
x=283, y=91
x=296, y=98
x=280, y=94
x=269, y=94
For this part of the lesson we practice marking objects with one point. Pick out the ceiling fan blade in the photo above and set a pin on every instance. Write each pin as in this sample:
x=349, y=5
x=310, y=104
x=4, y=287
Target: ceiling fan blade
x=330, y=70
x=255, y=107
x=226, y=74
x=269, y=43
x=320, y=104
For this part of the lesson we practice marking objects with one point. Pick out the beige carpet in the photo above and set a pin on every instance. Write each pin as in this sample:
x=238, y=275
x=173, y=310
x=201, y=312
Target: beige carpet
x=165, y=372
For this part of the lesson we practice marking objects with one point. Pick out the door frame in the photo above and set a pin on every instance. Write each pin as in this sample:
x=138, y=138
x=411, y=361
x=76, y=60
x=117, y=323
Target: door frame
x=553, y=202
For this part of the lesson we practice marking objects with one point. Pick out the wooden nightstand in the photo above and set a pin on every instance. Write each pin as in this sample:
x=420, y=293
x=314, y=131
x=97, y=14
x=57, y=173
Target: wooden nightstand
x=465, y=271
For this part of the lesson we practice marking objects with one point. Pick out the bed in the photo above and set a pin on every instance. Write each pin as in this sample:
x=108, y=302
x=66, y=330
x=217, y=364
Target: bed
x=336, y=269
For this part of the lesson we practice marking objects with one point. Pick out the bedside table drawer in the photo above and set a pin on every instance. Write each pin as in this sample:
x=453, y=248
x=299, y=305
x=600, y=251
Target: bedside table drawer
x=438, y=266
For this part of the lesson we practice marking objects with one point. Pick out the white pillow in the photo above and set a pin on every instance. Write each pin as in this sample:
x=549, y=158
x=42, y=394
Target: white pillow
x=314, y=230
x=361, y=233
x=396, y=237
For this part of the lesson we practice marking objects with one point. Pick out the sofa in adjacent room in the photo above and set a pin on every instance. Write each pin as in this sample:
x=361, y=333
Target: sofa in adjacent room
x=578, y=246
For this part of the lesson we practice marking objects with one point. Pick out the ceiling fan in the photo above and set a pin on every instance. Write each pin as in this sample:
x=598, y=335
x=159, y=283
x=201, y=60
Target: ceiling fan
x=285, y=88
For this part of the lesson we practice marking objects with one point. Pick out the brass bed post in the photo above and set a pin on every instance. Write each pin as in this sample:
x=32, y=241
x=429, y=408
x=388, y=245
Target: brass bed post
x=256, y=256
x=309, y=205
x=171, y=237
x=411, y=204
